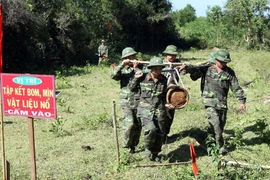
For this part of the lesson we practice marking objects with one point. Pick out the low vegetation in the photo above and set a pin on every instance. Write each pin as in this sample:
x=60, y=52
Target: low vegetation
x=81, y=144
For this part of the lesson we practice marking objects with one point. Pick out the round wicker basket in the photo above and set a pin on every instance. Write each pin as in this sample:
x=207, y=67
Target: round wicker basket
x=177, y=96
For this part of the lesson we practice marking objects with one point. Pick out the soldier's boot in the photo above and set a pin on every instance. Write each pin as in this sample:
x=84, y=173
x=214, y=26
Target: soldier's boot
x=155, y=157
x=132, y=150
x=147, y=153
x=223, y=151
x=220, y=142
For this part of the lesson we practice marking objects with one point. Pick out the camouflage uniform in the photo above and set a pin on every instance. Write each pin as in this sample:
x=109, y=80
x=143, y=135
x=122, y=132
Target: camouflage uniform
x=215, y=92
x=51, y=54
x=198, y=71
x=51, y=50
x=151, y=110
x=172, y=50
x=128, y=102
x=102, y=51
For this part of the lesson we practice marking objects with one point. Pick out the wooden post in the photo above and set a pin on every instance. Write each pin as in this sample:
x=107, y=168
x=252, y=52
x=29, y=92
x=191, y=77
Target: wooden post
x=116, y=135
x=3, y=142
x=8, y=170
x=155, y=165
x=32, y=147
x=251, y=166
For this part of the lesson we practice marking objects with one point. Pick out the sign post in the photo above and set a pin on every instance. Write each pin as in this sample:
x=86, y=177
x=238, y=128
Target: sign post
x=32, y=96
x=3, y=144
x=32, y=147
x=2, y=125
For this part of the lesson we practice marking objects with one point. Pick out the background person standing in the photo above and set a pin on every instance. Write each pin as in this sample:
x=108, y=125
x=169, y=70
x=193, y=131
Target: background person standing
x=51, y=54
x=102, y=51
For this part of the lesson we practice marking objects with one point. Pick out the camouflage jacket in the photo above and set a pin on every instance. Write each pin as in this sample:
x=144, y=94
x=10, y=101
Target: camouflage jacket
x=102, y=50
x=124, y=74
x=216, y=85
x=153, y=95
x=51, y=50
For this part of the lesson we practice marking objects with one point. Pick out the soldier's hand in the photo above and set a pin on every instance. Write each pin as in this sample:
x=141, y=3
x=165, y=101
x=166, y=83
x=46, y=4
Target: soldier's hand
x=125, y=62
x=180, y=68
x=242, y=107
x=169, y=106
x=138, y=74
x=135, y=64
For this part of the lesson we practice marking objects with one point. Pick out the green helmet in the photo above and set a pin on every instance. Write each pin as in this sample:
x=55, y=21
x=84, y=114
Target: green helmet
x=211, y=57
x=128, y=51
x=156, y=61
x=171, y=49
x=223, y=56
x=102, y=40
x=50, y=39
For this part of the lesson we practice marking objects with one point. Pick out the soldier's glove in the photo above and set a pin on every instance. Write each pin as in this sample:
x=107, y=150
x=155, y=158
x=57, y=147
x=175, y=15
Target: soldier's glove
x=138, y=74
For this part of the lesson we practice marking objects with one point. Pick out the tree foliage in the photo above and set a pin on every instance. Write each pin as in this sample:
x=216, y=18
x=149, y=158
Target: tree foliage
x=198, y=33
x=241, y=23
x=77, y=26
x=214, y=16
x=249, y=15
x=183, y=16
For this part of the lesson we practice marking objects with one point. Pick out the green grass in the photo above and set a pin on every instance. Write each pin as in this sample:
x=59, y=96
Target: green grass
x=85, y=118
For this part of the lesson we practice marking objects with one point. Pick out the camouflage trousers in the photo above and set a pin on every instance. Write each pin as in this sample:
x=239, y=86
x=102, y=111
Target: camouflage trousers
x=154, y=131
x=99, y=60
x=131, y=126
x=217, y=120
x=169, y=120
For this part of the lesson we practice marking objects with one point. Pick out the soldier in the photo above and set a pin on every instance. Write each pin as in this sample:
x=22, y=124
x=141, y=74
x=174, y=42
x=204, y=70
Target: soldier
x=196, y=74
x=51, y=53
x=152, y=103
x=171, y=53
x=102, y=51
x=218, y=79
x=124, y=72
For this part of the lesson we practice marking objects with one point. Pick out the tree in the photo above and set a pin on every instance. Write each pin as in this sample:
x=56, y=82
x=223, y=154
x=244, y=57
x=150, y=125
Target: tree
x=246, y=14
x=198, y=33
x=20, y=46
x=183, y=16
x=214, y=16
x=142, y=24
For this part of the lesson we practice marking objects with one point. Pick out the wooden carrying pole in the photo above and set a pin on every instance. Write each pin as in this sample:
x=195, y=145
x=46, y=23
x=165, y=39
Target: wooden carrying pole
x=165, y=63
x=116, y=135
